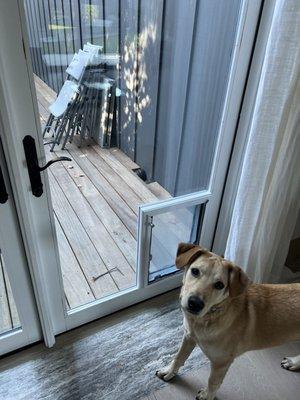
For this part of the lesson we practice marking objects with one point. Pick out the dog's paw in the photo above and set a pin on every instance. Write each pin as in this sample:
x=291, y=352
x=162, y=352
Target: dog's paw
x=166, y=374
x=203, y=395
x=291, y=363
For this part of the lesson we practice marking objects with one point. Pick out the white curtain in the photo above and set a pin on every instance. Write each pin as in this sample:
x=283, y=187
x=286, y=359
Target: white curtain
x=267, y=202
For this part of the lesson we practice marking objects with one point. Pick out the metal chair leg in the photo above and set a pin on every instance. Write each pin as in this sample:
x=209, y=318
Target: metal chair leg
x=60, y=131
x=48, y=124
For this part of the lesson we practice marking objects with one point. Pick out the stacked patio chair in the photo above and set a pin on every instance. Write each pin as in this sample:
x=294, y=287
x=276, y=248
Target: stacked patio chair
x=62, y=110
x=81, y=114
x=86, y=102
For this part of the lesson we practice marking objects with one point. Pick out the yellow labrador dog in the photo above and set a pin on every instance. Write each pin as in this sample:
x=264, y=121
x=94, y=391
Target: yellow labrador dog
x=227, y=315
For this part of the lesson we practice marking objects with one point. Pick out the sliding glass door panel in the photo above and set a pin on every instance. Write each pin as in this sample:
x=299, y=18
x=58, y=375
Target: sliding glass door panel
x=143, y=132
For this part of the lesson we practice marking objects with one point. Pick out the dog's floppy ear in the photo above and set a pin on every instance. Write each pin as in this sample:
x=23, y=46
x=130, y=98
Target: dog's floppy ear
x=187, y=253
x=238, y=280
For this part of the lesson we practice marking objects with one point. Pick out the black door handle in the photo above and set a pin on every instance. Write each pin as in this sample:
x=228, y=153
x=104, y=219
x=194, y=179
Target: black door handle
x=3, y=192
x=34, y=170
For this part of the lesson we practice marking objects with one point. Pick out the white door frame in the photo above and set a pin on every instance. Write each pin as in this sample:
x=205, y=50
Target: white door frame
x=17, y=273
x=15, y=80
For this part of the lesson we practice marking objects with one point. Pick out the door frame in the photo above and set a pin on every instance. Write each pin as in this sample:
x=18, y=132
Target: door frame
x=16, y=272
x=15, y=78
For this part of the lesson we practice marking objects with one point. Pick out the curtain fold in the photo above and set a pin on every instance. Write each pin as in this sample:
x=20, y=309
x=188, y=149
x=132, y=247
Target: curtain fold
x=267, y=201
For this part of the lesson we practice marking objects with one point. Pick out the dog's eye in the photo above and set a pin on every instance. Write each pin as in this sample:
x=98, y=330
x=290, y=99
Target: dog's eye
x=195, y=271
x=219, y=285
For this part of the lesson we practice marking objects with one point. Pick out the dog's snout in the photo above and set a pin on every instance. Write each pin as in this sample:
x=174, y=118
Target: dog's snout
x=195, y=304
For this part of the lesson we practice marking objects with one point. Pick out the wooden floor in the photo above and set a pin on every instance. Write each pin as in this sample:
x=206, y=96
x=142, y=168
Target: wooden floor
x=254, y=375
x=95, y=201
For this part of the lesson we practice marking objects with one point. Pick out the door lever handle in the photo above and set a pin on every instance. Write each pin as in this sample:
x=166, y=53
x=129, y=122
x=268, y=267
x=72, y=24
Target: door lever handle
x=52, y=162
x=34, y=170
x=3, y=192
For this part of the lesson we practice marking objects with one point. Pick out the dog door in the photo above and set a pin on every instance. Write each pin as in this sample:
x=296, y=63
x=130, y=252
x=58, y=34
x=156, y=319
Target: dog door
x=164, y=226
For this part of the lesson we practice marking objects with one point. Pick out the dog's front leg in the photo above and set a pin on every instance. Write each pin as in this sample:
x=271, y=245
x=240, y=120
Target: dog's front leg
x=291, y=363
x=187, y=346
x=218, y=371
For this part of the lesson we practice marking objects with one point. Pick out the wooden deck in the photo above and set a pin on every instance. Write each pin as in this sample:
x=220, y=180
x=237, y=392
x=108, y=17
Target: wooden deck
x=95, y=201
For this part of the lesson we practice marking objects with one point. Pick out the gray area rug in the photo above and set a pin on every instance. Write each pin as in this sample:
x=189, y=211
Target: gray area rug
x=118, y=362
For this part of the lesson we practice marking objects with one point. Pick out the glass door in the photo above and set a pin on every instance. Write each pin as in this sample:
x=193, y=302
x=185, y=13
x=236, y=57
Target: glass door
x=18, y=318
x=128, y=104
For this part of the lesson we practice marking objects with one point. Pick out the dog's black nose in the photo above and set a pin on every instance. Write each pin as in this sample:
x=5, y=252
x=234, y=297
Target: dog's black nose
x=195, y=304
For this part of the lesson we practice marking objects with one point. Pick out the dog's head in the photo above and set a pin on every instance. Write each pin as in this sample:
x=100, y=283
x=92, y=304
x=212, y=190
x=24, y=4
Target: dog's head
x=208, y=280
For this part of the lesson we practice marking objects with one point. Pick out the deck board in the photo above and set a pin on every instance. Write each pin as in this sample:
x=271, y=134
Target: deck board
x=77, y=289
x=123, y=158
x=116, y=202
x=111, y=176
x=104, y=211
x=45, y=90
x=123, y=244
x=96, y=199
x=89, y=259
x=159, y=191
x=105, y=238
x=131, y=179
x=116, y=181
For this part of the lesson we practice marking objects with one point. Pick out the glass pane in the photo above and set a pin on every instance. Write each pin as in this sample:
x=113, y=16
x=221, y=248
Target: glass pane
x=133, y=92
x=9, y=318
x=168, y=229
